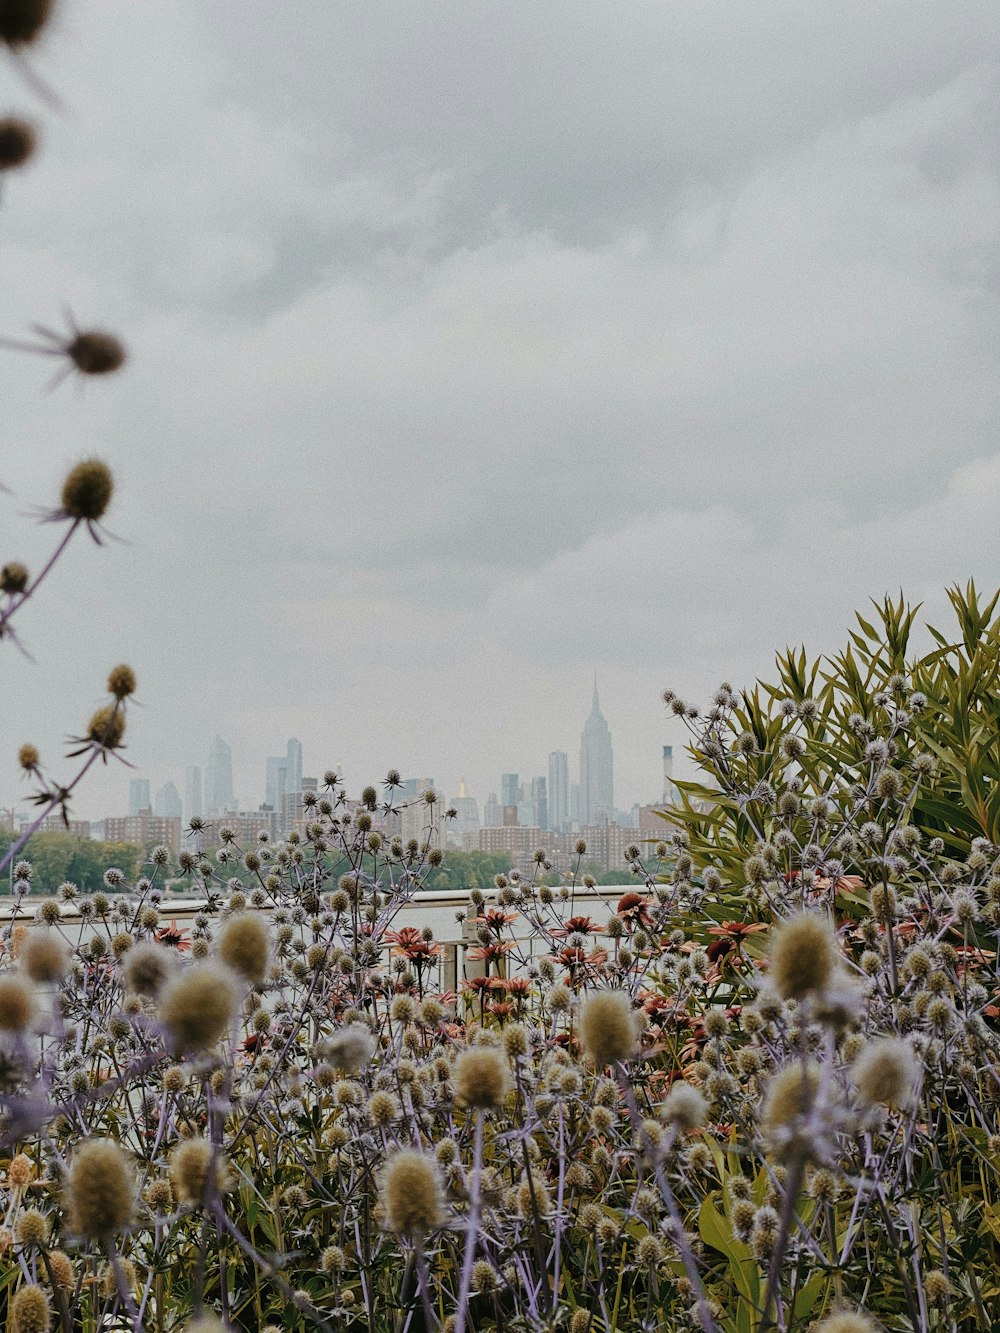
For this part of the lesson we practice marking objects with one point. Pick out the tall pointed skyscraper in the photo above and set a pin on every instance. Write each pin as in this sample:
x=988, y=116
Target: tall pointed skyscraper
x=597, y=781
x=218, y=794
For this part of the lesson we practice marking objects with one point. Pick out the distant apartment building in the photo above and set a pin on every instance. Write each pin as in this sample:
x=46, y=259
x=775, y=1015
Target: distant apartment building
x=247, y=824
x=517, y=842
x=76, y=828
x=606, y=844
x=145, y=830
x=293, y=807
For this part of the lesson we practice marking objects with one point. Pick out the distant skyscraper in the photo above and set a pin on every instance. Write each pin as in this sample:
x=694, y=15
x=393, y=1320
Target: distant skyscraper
x=219, y=778
x=509, y=784
x=558, y=791
x=492, y=812
x=168, y=802
x=540, y=803
x=597, y=799
x=138, y=795
x=466, y=823
x=276, y=782
x=192, y=792
x=293, y=760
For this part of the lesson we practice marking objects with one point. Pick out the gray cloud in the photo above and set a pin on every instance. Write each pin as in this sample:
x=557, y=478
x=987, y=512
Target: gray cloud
x=475, y=346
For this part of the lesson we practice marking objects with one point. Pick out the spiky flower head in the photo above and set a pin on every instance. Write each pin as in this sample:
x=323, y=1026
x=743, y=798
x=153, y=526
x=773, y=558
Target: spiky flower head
x=349, y=1049
x=32, y=1228
x=197, y=1006
x=191, y=1167
x=804, y=956
x=886, y=1072
x=608, y=1027
x=22, y=21
x=44, y=957
x=685, y=1107
x=107, y=727
x=13, y=575
x=789, y=1097
x=121, y=681
x=847, y=1322
x=30, y=1311
x=17, y=1004
x=100, y=1190
x=61, y=1267
x=87, y=491
x=410, y=1194
x=481, y=1077
x=96, y=352
x=243, y=946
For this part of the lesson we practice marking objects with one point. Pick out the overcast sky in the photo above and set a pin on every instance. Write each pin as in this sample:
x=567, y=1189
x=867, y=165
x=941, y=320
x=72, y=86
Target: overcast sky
x=476, y=346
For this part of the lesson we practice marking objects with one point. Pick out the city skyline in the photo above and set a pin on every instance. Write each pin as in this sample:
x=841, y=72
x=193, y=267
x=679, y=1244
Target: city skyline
x=548, y=792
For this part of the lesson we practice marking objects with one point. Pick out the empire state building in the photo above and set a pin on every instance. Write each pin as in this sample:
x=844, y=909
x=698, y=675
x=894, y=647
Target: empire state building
x=597, y=800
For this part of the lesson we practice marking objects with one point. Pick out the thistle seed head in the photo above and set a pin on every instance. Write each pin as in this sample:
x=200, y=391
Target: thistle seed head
x=17, y=142
x=410, y=1194
x=96, y=352
x=17, y=1004
x=44, y=957
x=243, y=946
x=22, y=21
x=107, y=727
x=30, y=1311
x=481, y=1077
x=14, y=579
x=197, y=1006
x=87, y=491
x=100, y=1190
x=121, y=681
x=886, y=1072
x=804, y=956
x=608, y=1028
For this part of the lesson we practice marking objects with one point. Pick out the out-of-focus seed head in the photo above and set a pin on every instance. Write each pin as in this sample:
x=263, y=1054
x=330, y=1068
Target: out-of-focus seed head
x=190, y=1168
x=243, y=946
x=481, y=1077
x=14, y=579
x=804, y=956
x=22, y=21
x=608, y=1028
x=847, y=1322
x=197, y=1006
x=44, y=957
x=789, y=1096
x=121, y=681
x=17, y=1004
x=148, y=967
x=410, y=1194
x=100, y=1190
x=30, y=1311
x=87, y=491
x=107, y=727
x=61, y=1267
x=96, y=352
x=684, y=1107
x=886, y=1072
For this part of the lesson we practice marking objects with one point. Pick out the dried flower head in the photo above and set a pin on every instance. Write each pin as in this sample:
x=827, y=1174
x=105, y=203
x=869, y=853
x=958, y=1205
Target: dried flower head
x=28, y=757
x=804, y=956
x=148, y=967
x=21, y=1171
x=44, y=957
x=17, y=1004
x=886, y=1071
x=121, y=681
x=410, y=1194
x=790, y=1095
x=349, y=1049
x=100, y=1190
x=18, y=140
x=481, y=1077
x=87, y=491
x=197, y=1006
x=847, y=1322
x=32, y=1228
x=243, y=946
x=684, y=1107
x=30, y=1311
x=22, y=21
x=191, y=1167
x=107, y=727
x=61, y=1268
x=608, y=1027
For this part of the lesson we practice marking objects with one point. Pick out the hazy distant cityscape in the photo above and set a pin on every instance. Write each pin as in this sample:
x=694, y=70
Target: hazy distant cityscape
x=521, y=814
